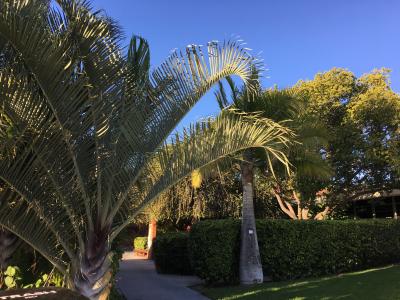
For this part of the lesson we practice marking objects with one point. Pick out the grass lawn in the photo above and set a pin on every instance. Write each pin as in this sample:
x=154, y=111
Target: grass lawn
x=383, y=283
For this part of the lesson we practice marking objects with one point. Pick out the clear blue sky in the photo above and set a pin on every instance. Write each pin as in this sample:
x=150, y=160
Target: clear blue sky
x=298, y=38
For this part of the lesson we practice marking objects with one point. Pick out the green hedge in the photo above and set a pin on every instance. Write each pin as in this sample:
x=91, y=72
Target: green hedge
x=213, y=250
x=170, y=253
x=140, y=243
x=295, y=249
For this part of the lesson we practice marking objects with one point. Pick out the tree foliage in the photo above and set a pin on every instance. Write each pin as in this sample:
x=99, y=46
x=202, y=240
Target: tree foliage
x=218, y=197
x=309, y=169
x=362, y=118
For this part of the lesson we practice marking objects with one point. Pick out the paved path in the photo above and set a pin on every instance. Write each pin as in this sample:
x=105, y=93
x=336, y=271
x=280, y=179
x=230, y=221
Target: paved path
x=138, y=280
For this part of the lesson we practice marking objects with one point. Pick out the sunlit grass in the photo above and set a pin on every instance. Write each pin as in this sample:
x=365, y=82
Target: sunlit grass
x=382, y=283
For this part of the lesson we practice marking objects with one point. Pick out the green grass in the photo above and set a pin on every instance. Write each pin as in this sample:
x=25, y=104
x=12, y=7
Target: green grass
x=383, y=283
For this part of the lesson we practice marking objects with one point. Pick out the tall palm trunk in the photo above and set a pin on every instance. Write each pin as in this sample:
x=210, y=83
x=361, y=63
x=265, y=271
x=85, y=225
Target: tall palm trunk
x=8, y=244
x=250, y=268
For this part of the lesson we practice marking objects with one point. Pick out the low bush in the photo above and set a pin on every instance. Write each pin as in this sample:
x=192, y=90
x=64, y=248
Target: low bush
x=27, y=268
x=295, y=249
x=115, y=293
x=170, y=253
x=140, y=243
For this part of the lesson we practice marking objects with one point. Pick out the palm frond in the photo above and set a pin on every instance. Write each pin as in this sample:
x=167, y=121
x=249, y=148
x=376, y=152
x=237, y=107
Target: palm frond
x=41, y=146
x=138, y=62
x=87, y=122
x=179, y=84
x=20, y=219
x=205, y=143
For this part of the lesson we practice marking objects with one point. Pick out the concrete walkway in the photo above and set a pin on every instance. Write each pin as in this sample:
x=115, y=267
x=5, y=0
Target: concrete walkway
x=138, y=280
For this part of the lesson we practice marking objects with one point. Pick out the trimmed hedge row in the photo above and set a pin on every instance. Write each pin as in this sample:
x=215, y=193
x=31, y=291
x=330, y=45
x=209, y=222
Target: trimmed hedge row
x=294, y=249
x=170, y=253
x=214, y=250
x=140, y=243
x=318, y=248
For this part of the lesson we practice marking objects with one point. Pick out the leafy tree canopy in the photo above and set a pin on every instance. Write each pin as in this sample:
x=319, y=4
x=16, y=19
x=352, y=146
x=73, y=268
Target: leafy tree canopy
x=362, y=117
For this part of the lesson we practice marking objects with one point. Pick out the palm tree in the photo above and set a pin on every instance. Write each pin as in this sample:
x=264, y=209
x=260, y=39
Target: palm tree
x=284, y=107
x=89, y=122
x=248, y=101
x=310, y=171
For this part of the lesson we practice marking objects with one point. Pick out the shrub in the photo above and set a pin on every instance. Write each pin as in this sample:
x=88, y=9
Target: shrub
x=27, y=268
x=115, y=294
x=140, y=243
x=291, y=249
x=171, y=254
x=12, y=278
x=295, y=249
x=214, y=251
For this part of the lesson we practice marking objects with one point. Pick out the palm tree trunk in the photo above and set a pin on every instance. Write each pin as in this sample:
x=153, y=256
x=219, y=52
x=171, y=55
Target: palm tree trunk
x=8, y=244
x=93, y=274
x=94, y=282
x=250, y=268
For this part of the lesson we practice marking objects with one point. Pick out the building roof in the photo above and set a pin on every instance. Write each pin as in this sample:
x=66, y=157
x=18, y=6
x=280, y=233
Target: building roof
x=378, y=194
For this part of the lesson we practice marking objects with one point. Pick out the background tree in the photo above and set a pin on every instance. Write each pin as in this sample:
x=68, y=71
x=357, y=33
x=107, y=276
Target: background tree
x=95, y=120
x=362, y=118
x=296, y=192
x=218, y=197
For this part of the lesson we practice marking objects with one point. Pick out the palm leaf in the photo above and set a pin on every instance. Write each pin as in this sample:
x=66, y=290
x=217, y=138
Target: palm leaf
x=180, y=82
x=206, y=143
x=88, y=121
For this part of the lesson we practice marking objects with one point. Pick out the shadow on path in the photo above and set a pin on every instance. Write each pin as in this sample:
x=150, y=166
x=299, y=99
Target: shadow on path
x=137, y=279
